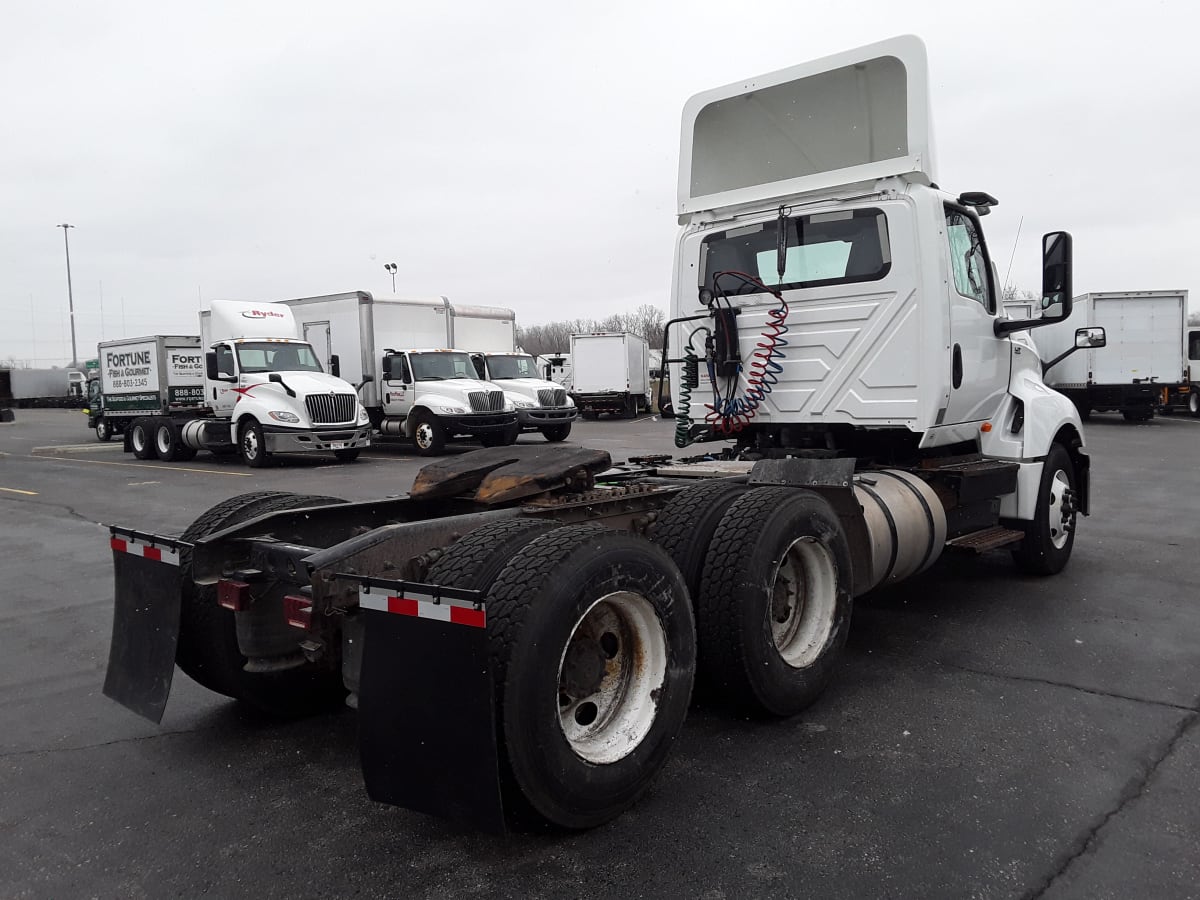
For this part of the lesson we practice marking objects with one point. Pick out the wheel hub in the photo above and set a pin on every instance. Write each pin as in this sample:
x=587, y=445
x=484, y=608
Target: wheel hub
x=1061, y=509
x=424, y=436
x=803, y=600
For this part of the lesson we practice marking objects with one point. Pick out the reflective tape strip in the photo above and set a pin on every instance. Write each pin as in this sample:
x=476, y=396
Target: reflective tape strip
x=137, y=548
x=423, y=606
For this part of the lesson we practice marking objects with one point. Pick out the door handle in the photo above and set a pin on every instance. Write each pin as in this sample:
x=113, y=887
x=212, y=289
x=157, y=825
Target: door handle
x=956, y=367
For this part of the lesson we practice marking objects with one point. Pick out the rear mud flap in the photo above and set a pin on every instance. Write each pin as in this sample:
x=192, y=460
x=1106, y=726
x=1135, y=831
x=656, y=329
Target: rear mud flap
x=426, y=720
x=141, y=657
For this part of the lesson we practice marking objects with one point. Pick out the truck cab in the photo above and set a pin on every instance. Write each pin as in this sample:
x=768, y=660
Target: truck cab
x=267, y=390
x=541, y=405
x=434, y=395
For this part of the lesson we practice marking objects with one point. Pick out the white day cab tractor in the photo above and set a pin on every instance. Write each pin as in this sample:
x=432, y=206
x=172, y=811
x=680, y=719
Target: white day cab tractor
x=264, y=392
x=837, y=326
x=542, y=405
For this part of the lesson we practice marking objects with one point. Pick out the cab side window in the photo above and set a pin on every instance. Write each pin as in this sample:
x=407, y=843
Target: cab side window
x=968, y=261
x=225, y=361
x=1194, y=345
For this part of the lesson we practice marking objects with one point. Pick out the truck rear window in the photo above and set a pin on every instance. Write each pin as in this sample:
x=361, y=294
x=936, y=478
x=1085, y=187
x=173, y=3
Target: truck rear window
x=822, y=249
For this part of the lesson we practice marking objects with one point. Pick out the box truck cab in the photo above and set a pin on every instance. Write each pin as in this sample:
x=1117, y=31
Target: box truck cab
x=267, y=390
x=541, y=405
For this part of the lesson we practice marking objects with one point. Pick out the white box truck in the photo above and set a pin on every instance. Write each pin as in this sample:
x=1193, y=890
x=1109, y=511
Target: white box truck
x=24, y=388
x=264, y=390
x=519, y=633
x=156, y=375
x=411, y=380
x=610, y=372
x=1145, y=352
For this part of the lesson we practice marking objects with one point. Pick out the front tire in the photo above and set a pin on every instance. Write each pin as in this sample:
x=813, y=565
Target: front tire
x=592, y=647
x=252, y=445
x=347, y=456
x=1050, y=537
x=775, y=601
x=556, y=433
x=429, y=436
x=1194, y=403
x=103, y=431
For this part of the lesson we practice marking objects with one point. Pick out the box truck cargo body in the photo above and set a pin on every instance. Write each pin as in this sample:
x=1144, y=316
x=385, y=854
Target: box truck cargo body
x=610, y=372
x=41, y=387
x=410, y=377
x=1145, y=351
x=144, y=376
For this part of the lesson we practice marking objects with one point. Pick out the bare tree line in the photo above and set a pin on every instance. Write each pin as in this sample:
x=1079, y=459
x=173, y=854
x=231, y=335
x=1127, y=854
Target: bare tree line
x=555, y=337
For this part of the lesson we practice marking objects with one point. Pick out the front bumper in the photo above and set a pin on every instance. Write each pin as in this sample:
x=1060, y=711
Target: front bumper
x=480, y=423
x=294, y=440
x=541, y=417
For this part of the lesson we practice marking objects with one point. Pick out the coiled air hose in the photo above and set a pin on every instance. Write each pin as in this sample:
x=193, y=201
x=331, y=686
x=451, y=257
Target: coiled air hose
x=689, y=380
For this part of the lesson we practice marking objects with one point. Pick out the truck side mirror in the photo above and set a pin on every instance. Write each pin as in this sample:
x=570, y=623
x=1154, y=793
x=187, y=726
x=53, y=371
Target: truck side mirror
x=1090, y=338
x=1056, y=275
x=335, y=366
x=210, y=365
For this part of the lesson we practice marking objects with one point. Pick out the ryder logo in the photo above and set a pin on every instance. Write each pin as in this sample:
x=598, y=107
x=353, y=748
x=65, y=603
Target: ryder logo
x=261, y=314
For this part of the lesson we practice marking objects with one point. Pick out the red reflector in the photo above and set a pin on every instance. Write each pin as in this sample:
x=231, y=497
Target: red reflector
x=233, y=595
x=462, y=615
x=298, y=611
x=403, y=606
x=119, y=545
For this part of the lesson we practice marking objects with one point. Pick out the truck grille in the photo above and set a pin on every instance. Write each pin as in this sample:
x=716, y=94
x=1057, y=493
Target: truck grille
x=552, y=397
x=486, y=401
x=330, y=409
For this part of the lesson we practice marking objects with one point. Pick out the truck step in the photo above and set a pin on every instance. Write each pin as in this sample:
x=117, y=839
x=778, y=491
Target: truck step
x=986, y=539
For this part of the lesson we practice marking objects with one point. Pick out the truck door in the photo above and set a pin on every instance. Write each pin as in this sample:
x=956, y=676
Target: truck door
x=978, y=361
x=221, y=393
x=317, y=334
x=398, y=387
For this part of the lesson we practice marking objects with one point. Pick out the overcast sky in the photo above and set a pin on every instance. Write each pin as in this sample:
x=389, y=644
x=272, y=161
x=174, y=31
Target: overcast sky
x=524, y=155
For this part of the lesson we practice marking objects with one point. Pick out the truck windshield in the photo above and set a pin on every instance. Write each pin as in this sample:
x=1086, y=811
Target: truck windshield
x=441, y=366
x=822, y=249
x=508, y=366
x=270, y=356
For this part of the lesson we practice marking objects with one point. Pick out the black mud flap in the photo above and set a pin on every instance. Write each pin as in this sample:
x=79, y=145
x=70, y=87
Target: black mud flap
x=141, y=658
x=426, y=729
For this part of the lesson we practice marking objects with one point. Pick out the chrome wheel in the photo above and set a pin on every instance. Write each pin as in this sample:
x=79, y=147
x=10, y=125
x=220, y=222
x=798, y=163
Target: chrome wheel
x=1060, y=509
x=609, y=675
x=424, y=435
x=103, y=432
x=803, y=602
x=162, y=441
x=250, y=445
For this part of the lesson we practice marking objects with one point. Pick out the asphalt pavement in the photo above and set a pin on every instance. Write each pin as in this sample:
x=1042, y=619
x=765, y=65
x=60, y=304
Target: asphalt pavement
x=989, y=734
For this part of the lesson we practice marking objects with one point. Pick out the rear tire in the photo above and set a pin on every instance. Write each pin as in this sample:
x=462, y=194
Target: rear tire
x=1050, y=537
x=556, y=433
x=685, y=526
x=1138, y=415
x=592, y=650
x=475, y=560
x=208, y=651
x=167, y=443
x=141, y=441
x=775, y=601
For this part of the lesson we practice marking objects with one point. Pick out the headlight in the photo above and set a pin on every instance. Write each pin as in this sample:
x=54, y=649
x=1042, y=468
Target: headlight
x=452, y=410
x=524, y=404
x=363, y=418
x=282, y=415
x=570, y=402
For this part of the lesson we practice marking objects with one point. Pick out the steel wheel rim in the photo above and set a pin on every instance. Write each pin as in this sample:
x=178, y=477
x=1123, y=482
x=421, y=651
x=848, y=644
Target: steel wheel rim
x=424, y=435
x=1061, y=510
x=162, y=439
x=101, y=430
x=612, y=666
x=250, y=443
x=803, y=602
x=138, y=438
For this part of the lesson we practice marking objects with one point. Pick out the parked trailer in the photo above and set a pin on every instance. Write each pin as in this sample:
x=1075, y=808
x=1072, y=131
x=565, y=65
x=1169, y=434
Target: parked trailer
x=29, y=388
x=520, y=633
x=1146, y=352
x=610, y=373
x=410, y=380
x=157, y=375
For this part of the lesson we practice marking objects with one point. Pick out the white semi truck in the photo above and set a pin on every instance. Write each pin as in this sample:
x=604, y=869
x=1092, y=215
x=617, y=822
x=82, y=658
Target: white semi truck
x=410, y=379
x=861, y=407
x=156, y=375
x=610, y=373
x=1146, y=353
x=264, y=392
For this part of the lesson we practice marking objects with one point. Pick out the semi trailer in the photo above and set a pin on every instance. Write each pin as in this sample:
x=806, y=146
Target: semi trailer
x=520, y=634
x=610, y=373
x=411, y=381
x=1146, y=353
x=263, y=391
x=26, y=388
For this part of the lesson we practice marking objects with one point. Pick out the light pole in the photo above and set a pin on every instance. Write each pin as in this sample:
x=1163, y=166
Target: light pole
x=391, y=267
x=70, y=293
